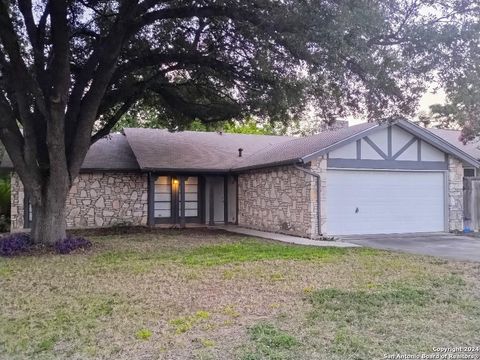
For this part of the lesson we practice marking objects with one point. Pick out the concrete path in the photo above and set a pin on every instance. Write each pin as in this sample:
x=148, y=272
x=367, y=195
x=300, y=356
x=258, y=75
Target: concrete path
x=285, y=238
x=445, y=245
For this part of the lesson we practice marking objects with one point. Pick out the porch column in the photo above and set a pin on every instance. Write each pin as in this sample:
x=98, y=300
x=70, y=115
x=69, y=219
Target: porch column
x=182, y=200
x=151, y=200
x=225, y=197
x=211, y=205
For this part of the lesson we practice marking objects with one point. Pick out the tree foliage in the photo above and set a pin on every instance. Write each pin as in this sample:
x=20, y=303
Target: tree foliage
x=459, y=75
x=69, y=70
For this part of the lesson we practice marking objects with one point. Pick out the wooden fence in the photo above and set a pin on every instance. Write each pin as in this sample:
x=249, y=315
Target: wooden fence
x=471, y=203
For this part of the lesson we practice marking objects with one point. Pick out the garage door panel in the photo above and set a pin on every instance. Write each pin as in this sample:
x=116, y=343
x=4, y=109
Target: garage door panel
x=370, y=202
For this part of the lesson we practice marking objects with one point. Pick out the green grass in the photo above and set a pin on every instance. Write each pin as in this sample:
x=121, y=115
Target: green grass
x=185, y=323
x=210, y=295
x=220, y=254
x=269, y=342
x=143, y=334
x=361, y=317
x=247, y=251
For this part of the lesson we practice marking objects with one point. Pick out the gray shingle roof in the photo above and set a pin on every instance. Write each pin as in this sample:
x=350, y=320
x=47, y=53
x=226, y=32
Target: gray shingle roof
x=157, y=149
x=298, y=148
x=110, y=153
x=472, y=148
x=160, y=150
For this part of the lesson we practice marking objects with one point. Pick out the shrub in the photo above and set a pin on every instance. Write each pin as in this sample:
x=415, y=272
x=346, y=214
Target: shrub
x=15, y=244
x=5, y=196
x=4, y=223
x=71, y=243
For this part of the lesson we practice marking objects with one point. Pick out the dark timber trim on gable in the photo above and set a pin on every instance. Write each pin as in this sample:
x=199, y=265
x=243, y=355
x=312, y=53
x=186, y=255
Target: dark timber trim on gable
x=418, y=132
x=376, y=148
x=307, y=158
x=405, y=147
x=389, y=160
x=386, y=164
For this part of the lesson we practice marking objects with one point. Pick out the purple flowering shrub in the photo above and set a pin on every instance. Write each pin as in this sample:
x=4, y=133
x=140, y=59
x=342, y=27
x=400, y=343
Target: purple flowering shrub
x=14, y=244
x=71, y=243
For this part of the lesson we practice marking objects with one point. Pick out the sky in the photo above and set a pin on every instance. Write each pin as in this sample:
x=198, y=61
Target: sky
x=431, y=97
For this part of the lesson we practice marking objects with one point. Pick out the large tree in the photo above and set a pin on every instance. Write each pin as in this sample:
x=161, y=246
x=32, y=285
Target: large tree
x=70, y=69
x=460, y=78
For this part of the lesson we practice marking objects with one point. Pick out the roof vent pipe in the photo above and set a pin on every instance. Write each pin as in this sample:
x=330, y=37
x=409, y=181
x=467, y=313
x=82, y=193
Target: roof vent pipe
x=240, y=152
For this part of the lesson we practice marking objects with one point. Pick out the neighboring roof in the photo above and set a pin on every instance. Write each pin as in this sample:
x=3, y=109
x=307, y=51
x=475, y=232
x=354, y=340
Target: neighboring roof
x=157, y=149
x=110, y=153
x=472, y=148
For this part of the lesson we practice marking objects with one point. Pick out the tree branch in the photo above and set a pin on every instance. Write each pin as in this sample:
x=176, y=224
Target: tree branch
x=23, y=81
x=113, y=120
x=106, y=58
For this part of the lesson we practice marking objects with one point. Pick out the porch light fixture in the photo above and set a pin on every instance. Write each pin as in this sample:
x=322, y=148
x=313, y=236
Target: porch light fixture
x=175, y=181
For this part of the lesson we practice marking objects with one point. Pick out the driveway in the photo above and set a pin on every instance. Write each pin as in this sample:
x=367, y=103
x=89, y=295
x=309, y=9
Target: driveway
x=444, y=245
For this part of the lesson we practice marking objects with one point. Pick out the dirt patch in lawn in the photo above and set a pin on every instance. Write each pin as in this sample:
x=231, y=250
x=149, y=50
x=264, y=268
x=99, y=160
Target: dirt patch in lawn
x=211, y=295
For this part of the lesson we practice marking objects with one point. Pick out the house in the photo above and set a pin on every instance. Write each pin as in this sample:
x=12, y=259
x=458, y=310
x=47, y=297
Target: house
x=364, y=179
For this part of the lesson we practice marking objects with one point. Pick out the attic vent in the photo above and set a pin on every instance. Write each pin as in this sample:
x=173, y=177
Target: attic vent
x=240, y=152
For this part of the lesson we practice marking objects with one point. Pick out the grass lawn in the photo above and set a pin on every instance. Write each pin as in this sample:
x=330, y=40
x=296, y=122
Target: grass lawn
x=211, y=295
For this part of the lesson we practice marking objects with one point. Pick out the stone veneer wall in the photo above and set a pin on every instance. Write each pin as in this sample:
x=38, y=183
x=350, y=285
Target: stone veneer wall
x=95, y=200
x=319, y=166
x=455, y=194
x=17, y=199
x=281, y=199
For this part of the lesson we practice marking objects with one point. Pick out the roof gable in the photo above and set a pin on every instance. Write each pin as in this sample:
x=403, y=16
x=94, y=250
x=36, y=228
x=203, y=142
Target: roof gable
x=421, y=133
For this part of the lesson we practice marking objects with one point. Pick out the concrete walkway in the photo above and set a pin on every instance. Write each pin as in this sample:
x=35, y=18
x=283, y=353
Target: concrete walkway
x=285, y=238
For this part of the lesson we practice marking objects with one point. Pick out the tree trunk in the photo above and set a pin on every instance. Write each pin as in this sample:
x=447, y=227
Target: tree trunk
x=48, y=214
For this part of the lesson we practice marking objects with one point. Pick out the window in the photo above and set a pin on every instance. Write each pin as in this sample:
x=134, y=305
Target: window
x=163, y=197
x=191, y=197
x=468, y=172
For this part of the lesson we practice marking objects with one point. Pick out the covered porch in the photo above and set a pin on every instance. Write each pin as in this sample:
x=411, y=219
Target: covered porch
x=191, y=199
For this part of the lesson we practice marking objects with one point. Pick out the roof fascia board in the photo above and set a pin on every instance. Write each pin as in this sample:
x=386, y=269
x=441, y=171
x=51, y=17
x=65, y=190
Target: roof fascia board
x=266, y=165
x=437, y=142
x=186, y=170
x=340, y=143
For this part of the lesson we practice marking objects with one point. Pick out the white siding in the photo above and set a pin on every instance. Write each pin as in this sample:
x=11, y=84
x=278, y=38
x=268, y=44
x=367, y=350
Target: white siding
x=429, y=153
x=348, y=151
x=399, y=138
x=410, y=154
x=380, y=138
x=369, y=153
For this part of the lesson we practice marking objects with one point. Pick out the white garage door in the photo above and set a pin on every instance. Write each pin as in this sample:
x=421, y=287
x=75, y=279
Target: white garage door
x=382, y=202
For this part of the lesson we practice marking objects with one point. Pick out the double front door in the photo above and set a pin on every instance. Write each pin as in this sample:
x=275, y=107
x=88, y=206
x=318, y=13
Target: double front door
x=177, y=200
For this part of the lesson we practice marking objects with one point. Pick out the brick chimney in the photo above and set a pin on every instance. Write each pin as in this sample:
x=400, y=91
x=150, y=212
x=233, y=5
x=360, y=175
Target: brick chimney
x=336, y=125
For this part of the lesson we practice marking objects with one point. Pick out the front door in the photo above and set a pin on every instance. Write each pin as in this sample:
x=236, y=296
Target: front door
x=171, y=192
